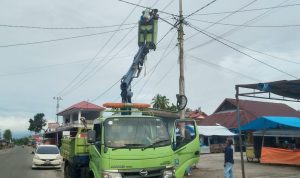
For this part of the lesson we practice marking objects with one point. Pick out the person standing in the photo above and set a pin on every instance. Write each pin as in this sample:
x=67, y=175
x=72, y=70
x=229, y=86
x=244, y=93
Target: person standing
x=228, y=159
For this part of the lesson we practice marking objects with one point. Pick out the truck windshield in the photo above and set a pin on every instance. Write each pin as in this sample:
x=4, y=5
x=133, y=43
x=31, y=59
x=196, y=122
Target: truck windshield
x=137, y=132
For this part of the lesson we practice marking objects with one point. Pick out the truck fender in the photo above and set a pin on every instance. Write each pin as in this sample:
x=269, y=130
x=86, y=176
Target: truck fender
x=93, y=171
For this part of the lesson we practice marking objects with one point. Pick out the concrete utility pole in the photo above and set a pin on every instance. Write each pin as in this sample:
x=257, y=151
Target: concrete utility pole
x=181, y=62
x=57, y=98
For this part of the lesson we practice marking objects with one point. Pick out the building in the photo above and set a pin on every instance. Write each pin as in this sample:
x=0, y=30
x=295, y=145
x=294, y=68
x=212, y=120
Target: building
x=226, y=113
x=72, y=119
x=197, y=115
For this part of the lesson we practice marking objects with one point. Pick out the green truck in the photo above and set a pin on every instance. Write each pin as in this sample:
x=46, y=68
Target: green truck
x=131, y=146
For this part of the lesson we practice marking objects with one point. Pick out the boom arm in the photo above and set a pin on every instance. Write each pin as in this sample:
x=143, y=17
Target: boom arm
x=133, y=72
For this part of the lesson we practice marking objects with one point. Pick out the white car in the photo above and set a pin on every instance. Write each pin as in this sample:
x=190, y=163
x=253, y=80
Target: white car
x=47, y=156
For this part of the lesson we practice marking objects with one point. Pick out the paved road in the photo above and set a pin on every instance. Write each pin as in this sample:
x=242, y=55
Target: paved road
x=211, y=166
x=16, y=163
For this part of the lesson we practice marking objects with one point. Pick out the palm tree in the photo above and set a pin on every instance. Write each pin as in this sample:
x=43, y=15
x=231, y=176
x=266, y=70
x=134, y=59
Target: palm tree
x=160, y=102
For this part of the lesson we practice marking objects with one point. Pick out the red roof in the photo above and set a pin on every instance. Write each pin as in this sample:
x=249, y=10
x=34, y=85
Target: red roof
x=83, y=105
x=249, y=110
x=196, y=114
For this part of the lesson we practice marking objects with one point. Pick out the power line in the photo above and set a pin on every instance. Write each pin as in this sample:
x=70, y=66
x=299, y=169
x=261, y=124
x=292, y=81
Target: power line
x=97, y=68
x=163, y=56
x=98, y=52
x=151, y=70
x=251, y=57
x=222, y=67
x=227, y=16
x=163, y=12
x=248, y=10
x=201, y=9
x=253, y=50
x=234, y=29
x=166, y=74
x=62, y=28
x=47, y=67
x=107, y=90
x=165, y=35
x=61, y=39
x=170, y=2
x=241, y=25
x=123, y=48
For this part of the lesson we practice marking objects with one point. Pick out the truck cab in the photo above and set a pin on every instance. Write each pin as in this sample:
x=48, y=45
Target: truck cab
x=128, y=146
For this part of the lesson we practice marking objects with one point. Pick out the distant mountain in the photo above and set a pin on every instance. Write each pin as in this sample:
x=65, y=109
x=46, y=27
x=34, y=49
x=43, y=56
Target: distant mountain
x=20, y=134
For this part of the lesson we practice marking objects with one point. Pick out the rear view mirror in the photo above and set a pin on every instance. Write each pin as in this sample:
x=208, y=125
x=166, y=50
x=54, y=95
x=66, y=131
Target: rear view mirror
x=91, y=136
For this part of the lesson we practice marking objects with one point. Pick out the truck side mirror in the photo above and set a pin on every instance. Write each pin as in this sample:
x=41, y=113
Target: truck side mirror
x=91, y=136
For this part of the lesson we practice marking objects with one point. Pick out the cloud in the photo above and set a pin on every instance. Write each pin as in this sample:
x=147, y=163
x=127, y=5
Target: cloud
x=14, y=123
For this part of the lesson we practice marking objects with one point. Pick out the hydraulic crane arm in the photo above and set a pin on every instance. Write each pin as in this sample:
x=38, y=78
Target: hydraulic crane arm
x=147, y=37
x=133, y=72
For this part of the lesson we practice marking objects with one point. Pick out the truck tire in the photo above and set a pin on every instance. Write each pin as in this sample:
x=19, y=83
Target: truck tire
x=84, y=172
x=91, y=174
x=67, y=171
x=74, y=172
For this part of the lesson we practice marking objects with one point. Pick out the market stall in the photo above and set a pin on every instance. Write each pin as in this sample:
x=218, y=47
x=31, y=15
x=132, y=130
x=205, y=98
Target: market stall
x=212, y=138
x=276, y=140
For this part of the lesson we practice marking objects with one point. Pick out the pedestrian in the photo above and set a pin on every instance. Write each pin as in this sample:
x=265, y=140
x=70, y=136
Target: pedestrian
x=228, y=159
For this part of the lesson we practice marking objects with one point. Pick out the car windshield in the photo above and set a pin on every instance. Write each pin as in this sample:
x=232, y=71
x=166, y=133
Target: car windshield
x=47, y=150
x=135, y=132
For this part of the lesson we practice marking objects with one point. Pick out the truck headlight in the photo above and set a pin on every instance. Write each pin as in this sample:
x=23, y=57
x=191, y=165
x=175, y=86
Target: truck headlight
x=168, y=173
x=111, y=175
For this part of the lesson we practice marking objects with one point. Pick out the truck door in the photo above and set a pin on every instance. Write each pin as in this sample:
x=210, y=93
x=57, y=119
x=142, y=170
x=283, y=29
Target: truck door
x=96, y=152
x=186, y=145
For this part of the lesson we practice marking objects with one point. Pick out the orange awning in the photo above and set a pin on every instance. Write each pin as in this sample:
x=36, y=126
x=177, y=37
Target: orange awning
x=280, y=156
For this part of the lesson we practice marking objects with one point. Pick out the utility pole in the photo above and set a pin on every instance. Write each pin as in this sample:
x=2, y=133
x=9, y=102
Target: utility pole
x=57, y=98
x=181, y=62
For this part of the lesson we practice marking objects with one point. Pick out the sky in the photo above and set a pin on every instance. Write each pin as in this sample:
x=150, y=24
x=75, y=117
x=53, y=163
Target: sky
x=80, y=50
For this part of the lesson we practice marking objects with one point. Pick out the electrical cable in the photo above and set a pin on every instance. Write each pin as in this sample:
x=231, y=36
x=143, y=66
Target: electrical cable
x=222, y=67
x=151, y=70
x=239, y=51
x=241, y=25
x=253, y=50
x=107, y=90
x=61, y=39
x=227, y=16
x=96, y=68
x=91, y=61
x=47, y=67
x=62, y=28
x=248, y=10
x=200, y=9
x=163, y=56
x=163, y=12
x=229, y=32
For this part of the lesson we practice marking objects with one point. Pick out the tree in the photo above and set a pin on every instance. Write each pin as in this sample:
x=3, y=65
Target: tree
x=37, y=123
x=160, y=102
x=22, y=141
x=7, y=135
x=173, y=108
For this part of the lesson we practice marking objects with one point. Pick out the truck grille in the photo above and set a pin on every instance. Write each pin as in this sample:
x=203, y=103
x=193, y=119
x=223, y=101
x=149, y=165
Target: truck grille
x=152, y=173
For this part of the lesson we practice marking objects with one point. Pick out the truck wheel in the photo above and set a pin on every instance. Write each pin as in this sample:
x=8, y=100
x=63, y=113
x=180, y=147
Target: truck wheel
x=91, y=175
x=84, y=172
x=67, y=171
